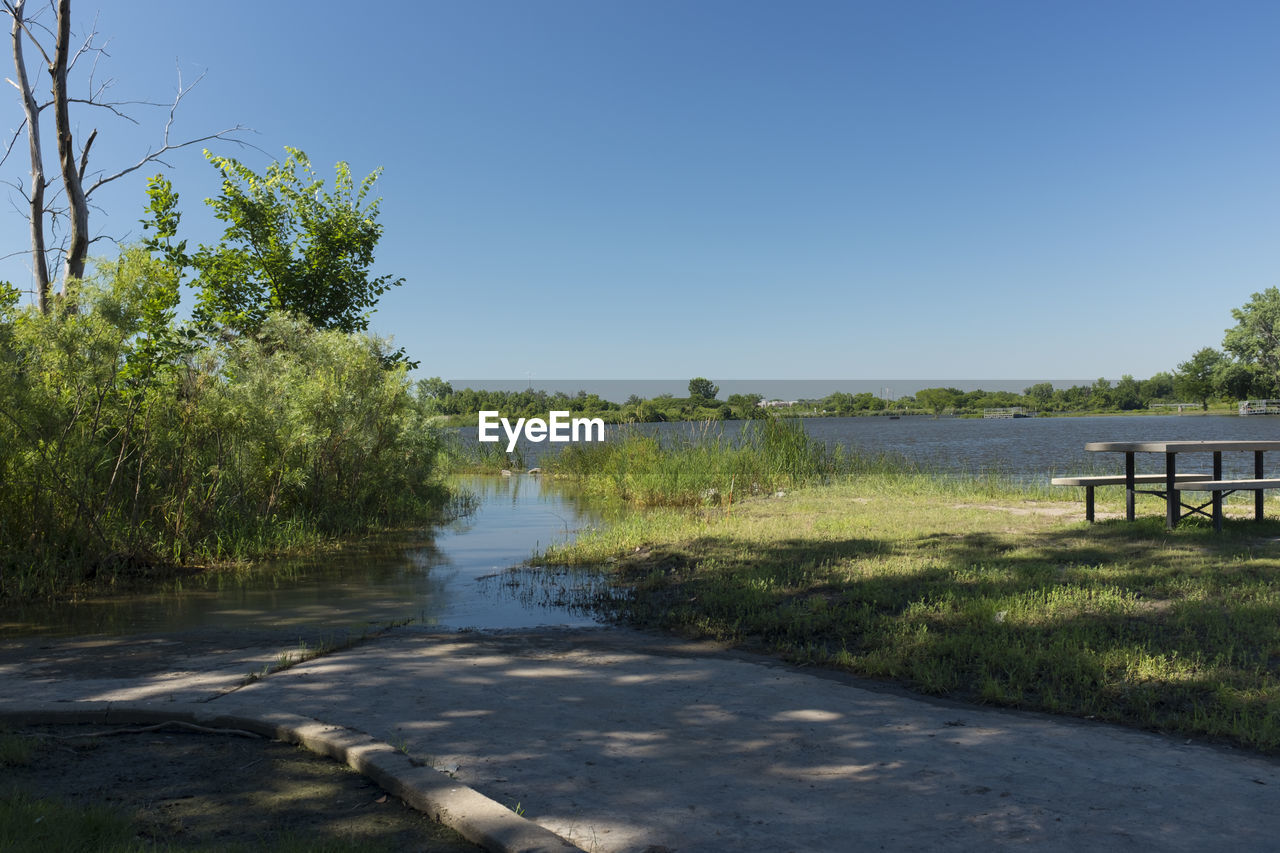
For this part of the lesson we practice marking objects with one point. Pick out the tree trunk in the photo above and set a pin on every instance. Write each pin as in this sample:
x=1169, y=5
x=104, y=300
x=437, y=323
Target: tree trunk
x=39, y=262
x=78, y=246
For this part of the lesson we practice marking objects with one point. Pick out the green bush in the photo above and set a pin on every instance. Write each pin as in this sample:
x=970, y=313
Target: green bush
x=128, y=442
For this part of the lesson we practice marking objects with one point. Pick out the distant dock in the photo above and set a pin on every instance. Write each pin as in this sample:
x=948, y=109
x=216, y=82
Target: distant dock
x=1011, y=412
x=1260, y=407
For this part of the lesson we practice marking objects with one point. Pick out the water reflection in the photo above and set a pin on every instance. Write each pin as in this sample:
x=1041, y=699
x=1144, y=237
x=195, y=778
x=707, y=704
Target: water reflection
x=439, y=577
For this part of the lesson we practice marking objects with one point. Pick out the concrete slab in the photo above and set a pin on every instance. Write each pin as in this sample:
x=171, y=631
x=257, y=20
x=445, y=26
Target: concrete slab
x=621, y=741
x=624, y=741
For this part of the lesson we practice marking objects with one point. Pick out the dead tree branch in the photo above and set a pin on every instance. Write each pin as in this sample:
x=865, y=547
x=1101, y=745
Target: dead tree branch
x=67, y=224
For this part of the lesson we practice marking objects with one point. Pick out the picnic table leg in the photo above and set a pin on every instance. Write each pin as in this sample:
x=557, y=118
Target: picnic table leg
x=1257, y=475
x=1172, y=503
x=1128, y=487
x=1217, y=495
x=1088, y=503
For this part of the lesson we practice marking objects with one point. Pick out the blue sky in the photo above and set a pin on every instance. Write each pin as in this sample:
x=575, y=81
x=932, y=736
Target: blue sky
x=858, y=190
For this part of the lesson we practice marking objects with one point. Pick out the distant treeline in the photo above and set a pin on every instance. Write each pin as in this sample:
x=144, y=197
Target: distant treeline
x=465, y=403
x=1128, y=394
x=1246, y=368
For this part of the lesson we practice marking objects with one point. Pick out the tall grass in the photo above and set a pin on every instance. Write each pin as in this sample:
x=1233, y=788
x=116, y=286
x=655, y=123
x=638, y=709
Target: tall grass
x=706, y=468
x=459, y=456
x=702, y=470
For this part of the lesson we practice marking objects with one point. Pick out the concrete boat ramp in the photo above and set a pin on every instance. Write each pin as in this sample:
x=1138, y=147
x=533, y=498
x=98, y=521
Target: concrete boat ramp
x=614, y=740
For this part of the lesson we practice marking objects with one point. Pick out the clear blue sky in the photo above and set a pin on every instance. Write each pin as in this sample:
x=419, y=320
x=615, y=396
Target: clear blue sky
x=738, y=189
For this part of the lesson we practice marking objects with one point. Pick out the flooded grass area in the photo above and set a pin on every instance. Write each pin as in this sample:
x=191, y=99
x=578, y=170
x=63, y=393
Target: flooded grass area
x=432, y=576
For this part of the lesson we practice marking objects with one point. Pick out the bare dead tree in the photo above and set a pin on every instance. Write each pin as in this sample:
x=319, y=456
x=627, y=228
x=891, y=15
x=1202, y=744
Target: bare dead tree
x=64, y=214
x=35, y=198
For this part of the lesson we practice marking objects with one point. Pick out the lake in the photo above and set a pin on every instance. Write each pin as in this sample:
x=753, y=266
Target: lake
x=1029, y=449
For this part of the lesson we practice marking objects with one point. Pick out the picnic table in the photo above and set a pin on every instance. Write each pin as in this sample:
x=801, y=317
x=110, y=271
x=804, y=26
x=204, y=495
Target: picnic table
x=1174, y=483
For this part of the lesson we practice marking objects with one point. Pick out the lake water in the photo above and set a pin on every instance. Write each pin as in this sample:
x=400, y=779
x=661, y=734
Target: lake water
x=453, y=576
x=450, y=577
x=1030, y=449
x=1036, y=449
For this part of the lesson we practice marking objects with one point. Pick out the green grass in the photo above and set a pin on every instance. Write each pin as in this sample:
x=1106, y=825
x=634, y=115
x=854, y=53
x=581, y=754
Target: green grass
x=16, y=750
x=473, y=457
x=975, y=589
x=31, y=823
x=27, y=823
x=638, y=469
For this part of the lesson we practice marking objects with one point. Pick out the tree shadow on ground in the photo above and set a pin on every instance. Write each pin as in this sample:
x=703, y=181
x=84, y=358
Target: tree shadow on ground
x=1175, y=630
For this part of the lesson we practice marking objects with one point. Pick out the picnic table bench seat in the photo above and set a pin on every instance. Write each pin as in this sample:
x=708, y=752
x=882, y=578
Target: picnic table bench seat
x=1090, y=482
x=1222, y=488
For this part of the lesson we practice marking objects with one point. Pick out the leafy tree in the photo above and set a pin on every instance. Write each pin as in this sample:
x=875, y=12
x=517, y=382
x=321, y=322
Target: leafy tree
x=702, y=389
x=1195, y=377
x=1127, y=396
x=746, y=406
x=1239, y=381
x=1040, y=393
x=1158, y=387
x=435, y=387
x=1100, y=396
x=939, y=399
x=1074, y=398
x=1255, y=339
x=290, y=245
x=434, y=394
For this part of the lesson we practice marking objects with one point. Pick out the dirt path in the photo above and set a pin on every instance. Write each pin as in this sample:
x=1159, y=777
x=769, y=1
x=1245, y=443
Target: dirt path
x=193, y=789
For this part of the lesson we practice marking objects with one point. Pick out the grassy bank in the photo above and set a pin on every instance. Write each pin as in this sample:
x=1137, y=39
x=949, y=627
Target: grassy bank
x=974, y=590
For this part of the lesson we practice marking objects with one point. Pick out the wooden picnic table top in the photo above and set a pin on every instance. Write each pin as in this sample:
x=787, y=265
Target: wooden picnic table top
x=1179, y=446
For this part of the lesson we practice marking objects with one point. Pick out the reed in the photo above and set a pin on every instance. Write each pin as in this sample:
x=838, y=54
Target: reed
x=702, y=469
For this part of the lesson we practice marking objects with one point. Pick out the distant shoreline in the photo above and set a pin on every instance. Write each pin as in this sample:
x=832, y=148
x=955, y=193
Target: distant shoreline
x=618, y=390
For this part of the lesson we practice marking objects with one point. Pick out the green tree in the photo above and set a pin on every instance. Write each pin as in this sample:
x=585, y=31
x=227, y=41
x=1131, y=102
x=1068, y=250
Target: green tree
x=1236, y=380
x=435, y=387
x=1195, y=377
x=1255, y=339
x=434, y=394
x=1127, y=394
x=1039, y=394
x=939, y=399
x=746, y=406
x=1158, y=388
x=1100, y=394
x=290, y=245
x=702, y=389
